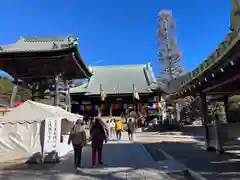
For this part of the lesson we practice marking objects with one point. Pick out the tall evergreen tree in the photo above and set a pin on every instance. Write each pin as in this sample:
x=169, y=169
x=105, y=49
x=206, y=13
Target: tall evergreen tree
x=168, y=53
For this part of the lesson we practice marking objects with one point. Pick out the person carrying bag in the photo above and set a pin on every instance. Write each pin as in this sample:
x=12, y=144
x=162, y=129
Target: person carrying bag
x=78, y=138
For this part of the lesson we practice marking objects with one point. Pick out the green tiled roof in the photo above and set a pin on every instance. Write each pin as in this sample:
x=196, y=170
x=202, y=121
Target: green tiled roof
x=119, y=79
x=40, y=43
x=79, y=89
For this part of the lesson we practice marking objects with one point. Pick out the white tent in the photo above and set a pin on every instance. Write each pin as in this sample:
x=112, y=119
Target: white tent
x=22, y=130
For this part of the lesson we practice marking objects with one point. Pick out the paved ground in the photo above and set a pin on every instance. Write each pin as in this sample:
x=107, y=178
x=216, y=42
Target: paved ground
x=123, y=160
x=191, y=153
x=127, y=160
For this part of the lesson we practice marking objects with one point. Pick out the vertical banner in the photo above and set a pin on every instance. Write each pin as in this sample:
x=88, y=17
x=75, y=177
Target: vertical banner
x=102, y=94
x=52, y=135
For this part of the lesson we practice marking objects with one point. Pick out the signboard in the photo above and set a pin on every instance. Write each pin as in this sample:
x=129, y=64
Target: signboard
x=152, y=99
x=152, y=112
x=52, y=134
x=86, y=102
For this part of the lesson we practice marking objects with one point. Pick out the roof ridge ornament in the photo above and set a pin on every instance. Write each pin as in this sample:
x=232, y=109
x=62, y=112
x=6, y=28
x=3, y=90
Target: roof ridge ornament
x=21, y=38
x=69, y=39
x=55, y=46
x=75, y=41
x=235, y=16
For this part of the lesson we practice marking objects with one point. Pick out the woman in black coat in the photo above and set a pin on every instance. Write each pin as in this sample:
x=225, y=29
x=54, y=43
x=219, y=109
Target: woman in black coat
x=98, y=134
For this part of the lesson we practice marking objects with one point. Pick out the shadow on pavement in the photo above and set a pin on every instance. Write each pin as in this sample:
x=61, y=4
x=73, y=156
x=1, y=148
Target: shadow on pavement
x=192, y=154
x=196, y=132
x=121, y=161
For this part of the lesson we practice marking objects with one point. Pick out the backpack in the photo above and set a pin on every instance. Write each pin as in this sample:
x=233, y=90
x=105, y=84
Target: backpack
x=118, y=126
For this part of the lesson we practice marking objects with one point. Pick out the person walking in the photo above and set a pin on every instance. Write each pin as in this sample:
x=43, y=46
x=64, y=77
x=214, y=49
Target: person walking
x=98, y=133
x=119, y=128
x=78, y=139
x=112, y=128
x=130, y=128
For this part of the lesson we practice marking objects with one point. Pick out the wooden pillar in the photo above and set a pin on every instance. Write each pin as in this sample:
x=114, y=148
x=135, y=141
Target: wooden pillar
x=33, y=94
x=110, y=110
x=67, y=96
x=204, y=114
x=69, y=99
x=56, y=94
x=33, y=91
x=138, y=108
x=14, y=92
x=178, y=112
x=158, y=101
x=225, y=101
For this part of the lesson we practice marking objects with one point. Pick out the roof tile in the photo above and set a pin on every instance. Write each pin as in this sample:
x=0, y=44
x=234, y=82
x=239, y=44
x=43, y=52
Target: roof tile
x=41, y=43
x=120, y=79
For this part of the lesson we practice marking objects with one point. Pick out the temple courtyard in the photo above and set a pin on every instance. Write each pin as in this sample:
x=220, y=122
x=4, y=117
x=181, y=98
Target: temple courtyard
x=150, y=156
x=123, y=160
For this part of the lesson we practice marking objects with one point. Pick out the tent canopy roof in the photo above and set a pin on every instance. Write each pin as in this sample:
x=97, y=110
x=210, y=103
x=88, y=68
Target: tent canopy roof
x=31, y=111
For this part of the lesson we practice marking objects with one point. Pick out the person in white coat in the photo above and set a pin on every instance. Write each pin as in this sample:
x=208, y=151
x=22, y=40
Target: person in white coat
x=112, y=128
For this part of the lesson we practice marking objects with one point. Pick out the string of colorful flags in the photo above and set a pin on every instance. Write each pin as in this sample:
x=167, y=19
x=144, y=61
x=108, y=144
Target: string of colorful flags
x=121, y=106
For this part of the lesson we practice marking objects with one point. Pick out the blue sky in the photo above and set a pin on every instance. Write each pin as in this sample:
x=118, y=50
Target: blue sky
x=118, y=32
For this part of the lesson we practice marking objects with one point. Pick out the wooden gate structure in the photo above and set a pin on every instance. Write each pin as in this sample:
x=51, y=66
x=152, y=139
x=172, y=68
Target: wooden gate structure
x=39, y=63
x=218, y=75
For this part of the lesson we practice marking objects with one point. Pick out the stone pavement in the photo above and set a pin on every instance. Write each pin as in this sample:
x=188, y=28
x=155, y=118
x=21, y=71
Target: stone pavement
x=123, y=160
x=192, y=155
